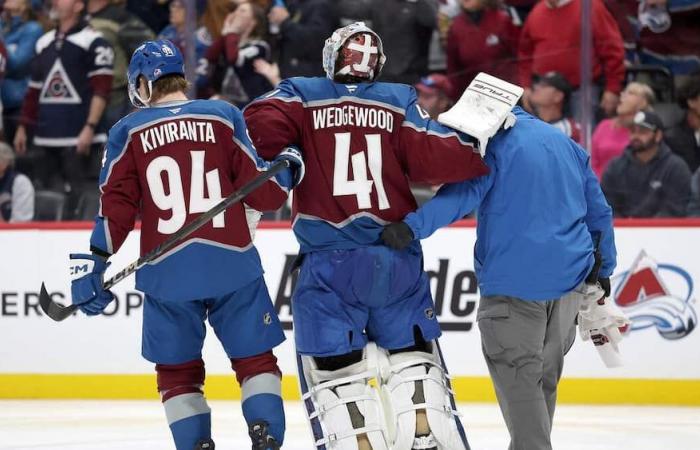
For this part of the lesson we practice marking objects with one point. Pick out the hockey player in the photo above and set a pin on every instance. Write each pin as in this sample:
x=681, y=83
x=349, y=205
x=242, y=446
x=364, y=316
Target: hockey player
x=363, y=141
x=167, y=163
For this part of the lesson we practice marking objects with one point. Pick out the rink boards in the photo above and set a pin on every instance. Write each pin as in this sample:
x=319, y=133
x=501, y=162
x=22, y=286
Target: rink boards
x=658, y=268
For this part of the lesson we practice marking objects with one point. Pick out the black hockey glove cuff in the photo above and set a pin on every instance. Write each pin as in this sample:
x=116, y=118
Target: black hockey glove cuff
x=397, y=235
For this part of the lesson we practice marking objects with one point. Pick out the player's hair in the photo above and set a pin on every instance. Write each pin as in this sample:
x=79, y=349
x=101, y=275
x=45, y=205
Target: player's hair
x=168, y=85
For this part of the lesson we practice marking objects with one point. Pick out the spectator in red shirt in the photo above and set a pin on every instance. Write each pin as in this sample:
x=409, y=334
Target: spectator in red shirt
x=551, y=41
x=550, y=98
x=483, y=38
x=611, y=136
x=435, y=94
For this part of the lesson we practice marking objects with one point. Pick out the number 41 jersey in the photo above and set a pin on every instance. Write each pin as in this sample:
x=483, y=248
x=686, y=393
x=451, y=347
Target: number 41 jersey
x=362, y=145
x=169, y=164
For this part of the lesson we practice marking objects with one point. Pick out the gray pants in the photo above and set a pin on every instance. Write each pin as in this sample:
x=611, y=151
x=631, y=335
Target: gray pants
x=524, y=344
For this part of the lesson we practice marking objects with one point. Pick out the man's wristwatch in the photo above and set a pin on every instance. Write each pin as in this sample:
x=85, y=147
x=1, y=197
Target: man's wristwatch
x=91, y=125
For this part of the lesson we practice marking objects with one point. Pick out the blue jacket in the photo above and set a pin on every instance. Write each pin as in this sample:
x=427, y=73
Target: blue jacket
x=538, y=209
x=20, y=40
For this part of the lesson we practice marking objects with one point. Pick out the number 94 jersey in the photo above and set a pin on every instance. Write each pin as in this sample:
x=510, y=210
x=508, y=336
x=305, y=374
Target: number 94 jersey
x=168, y=164
x=362, y=145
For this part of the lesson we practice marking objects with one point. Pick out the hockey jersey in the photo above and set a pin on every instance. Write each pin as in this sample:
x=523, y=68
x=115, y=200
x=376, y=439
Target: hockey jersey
x=362, y=145
x=67, y=71
x=168, y=164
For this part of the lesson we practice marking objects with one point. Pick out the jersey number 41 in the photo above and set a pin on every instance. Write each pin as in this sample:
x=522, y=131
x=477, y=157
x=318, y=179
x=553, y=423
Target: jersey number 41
x=360, y=186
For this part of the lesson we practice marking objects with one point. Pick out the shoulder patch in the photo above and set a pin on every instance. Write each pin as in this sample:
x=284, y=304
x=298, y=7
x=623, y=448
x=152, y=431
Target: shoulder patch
x=44, y=41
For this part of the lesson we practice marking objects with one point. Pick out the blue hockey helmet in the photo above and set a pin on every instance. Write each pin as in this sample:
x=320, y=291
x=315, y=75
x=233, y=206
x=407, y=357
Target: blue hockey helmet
x=152, y=60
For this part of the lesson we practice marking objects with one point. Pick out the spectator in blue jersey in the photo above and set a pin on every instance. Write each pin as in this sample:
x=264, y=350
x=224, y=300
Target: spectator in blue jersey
x=16, y=190
x=538, y=210
x=303, y=27
x=232, y=58
x=175, y=32
x=71, y=79
x=20, y=31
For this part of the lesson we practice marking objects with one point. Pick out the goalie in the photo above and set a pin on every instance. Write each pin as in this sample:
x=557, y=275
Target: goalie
x=363, y=311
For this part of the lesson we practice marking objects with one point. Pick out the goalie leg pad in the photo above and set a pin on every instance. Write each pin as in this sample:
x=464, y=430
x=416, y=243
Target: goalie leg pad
x=416, y=381
x=343, y=409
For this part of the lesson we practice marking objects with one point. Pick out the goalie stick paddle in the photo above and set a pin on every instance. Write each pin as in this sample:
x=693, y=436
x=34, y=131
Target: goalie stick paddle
x=58, y=312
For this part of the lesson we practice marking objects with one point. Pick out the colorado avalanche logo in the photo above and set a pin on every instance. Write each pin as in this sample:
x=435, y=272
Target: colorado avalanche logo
x=643, y=294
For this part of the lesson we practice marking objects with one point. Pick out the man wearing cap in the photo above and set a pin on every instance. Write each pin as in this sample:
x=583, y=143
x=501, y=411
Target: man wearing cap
x=434, y=94
x=648, y=180
x=550, y=99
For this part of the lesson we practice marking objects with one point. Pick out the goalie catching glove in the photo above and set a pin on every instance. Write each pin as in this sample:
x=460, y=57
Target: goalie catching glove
x=87, y=274
x=483, y=108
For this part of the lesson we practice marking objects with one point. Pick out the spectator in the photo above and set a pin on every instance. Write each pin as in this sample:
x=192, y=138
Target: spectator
x=611, y=136
x=16, y=191
x=20, y=31
x=304, y=26
x=684, y=138
x=663, y=32
x=3, y=65
x=435, y=94
x=153, y=13
x=233, y=55
x=175, y=33
x=406, y=28
x=551, y=41
x=694, y=204
x=71, y=79
x=648, y=180
x=482, y=38
x=549, y=100
x=125, y=32
x=350, y=11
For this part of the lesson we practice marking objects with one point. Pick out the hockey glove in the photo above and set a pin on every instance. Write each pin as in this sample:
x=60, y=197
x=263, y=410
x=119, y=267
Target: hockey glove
x=296, y=163
x=87, y=272
x=397, y=235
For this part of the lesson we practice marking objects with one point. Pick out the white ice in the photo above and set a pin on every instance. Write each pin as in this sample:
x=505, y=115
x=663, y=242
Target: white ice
x=132, y=425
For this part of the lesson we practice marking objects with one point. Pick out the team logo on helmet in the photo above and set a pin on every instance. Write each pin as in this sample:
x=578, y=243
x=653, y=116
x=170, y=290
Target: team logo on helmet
x=353, y=52
x=167, y=51
x=656, y=295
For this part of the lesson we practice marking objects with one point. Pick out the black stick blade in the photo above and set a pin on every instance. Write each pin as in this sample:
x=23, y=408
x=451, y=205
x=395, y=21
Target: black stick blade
x=51, y=308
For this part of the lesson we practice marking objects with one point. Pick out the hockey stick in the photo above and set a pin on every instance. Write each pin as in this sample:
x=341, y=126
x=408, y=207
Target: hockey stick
x=58, y=312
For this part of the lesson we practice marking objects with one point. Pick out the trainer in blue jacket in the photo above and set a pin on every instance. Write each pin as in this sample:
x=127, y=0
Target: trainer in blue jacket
x=539, y=209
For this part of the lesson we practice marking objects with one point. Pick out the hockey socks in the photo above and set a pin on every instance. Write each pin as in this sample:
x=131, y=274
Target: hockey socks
x=261, y=390
x=189, y=416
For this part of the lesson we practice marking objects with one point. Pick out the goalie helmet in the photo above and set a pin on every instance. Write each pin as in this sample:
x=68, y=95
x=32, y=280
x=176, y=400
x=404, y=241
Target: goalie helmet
x=353, y=53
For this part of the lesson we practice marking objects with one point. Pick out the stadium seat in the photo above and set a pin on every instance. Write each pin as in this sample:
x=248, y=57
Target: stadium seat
x=48, y=206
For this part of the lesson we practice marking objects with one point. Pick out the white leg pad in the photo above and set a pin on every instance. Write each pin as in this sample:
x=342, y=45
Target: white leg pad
x=400, y=372
x=338, y=396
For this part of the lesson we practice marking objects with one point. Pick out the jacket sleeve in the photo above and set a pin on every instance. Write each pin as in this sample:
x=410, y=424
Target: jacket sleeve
x=247, y=165
x=676, y=191
x=694, y=203
x=609, y=47
x=451, y=203
x=598, y=216
x=21, y=54
x=280, y=110
x=614, y=192
x=120, y=191
x=22, y=200
x=433, y=153
x=317, y=23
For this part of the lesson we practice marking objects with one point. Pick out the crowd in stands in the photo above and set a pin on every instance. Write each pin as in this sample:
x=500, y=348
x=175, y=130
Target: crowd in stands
x=65, y=83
